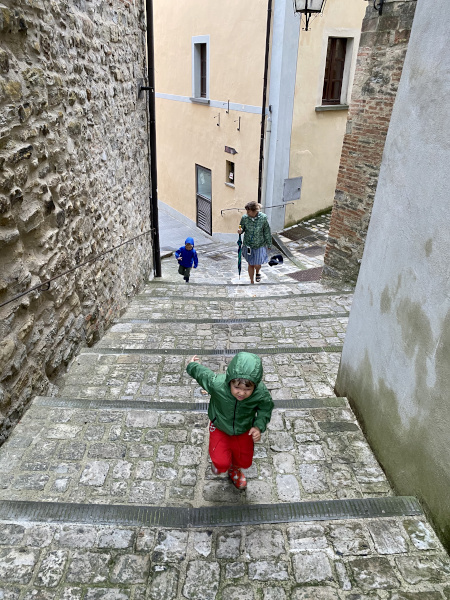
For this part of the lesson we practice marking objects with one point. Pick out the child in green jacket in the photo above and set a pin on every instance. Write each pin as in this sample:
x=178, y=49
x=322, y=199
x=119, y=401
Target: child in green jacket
x=239, y=411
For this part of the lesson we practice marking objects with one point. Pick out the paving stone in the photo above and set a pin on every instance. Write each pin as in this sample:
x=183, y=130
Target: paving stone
x=374, y=573
x=312, y=568
x=116, y=538
x=264, y=543
x=76, y=536
x=94, y=473
x=267, y=570
x=234, y=570
x=228, y=545
x=421, y=534
x=171, y=546
x=130, y=568
x=103, y=594
x=349, y=539
x=17, y=565
x=314, y=478
x=11, y=534
x=52, y=568
x=163, y=583
x=147, y=492
x=202, y=542
x=421, y=569
x=387, y=537
x=306, y=536
x=314, y=593
x=284, y=463
x=280, y=441
x=288, y=488
x=238, y=592
x=273, y=593
x=202, y=580
x=88, y=567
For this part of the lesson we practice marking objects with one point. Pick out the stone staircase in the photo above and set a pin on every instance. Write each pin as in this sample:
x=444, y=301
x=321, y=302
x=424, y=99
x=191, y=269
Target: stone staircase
x=106, y=490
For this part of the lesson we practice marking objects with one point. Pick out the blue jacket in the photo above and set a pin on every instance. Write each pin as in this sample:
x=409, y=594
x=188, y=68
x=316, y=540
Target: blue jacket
x=187, y=256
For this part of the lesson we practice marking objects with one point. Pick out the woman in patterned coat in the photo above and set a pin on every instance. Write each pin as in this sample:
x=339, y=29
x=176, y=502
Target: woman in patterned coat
x=257, y=239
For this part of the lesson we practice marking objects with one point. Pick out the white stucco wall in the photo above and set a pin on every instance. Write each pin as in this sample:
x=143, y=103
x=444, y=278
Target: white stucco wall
x=395, y=365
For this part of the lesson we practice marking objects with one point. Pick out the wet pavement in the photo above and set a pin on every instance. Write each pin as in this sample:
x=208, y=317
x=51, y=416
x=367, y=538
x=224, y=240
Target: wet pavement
x=96, y=480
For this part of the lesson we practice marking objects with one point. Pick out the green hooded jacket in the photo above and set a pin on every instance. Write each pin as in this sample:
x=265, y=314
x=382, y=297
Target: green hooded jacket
x=228, y=414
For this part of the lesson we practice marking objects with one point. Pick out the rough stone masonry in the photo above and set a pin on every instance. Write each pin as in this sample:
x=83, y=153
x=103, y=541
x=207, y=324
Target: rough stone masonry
x=74, y=182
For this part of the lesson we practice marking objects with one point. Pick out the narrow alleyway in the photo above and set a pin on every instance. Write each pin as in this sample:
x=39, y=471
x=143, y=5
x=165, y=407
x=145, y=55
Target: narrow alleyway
x=106, y=490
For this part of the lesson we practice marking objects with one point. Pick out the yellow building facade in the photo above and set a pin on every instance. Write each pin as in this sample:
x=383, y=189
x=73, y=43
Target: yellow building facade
x=209, y=72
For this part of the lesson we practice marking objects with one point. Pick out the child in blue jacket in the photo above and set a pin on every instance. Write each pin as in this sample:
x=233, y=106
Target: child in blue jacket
x=186, y=256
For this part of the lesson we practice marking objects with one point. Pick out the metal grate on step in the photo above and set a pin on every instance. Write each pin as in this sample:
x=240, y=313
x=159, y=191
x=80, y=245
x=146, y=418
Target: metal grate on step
x=237, y=321
x=307, y=274
x=212, y=352
x=313, y=251
x=217, y=516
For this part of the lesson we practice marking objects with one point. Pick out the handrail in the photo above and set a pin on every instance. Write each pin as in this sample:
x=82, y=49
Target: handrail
x=45, y=285
x=265, y=208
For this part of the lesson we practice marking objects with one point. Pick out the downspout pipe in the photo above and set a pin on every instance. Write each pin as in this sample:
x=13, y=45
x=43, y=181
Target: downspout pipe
x=263, y=107
x=152, y=134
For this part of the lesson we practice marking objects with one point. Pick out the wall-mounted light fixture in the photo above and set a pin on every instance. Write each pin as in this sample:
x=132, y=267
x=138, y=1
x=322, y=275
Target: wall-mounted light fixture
x=378, y=5
x=308, y=8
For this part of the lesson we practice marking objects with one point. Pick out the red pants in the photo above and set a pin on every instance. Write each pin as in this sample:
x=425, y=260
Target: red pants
x=226, y=450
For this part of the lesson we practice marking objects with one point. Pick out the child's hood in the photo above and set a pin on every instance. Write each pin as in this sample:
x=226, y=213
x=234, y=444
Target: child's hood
x=246, y=366
x=189, y=240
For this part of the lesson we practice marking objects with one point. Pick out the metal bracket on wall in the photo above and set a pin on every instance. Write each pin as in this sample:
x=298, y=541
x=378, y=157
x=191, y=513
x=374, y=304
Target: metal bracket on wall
x=378, y=5
x=141, y=88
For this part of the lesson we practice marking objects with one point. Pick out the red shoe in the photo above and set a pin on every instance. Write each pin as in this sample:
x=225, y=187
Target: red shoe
x=237, y=477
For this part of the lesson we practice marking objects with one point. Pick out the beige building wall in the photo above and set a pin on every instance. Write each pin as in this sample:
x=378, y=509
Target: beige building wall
x=317, y=135
x=188, y=132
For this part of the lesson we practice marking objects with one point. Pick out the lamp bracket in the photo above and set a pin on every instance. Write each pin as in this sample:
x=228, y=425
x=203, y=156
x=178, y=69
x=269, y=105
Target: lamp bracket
x=378, y=5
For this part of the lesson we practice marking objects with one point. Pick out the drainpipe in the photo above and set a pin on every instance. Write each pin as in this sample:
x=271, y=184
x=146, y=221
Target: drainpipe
x=152, y=134
x=263, y=108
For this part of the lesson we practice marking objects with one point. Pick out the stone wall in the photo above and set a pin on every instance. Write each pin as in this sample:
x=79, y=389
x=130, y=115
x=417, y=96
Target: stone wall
x=383, y=45
x=395, y=366
x=74, y=181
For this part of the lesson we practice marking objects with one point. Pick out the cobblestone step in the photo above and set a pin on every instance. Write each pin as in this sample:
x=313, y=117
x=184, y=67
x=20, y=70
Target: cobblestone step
x=67, y=450
x=162, y=377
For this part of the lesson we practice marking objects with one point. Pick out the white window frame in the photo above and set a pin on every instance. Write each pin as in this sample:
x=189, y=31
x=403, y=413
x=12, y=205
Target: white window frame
x=351, y=52
x=196, y=66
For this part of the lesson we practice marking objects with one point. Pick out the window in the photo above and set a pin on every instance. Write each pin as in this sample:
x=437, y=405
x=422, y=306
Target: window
x=229, y=180
x=334, y=71
x=200, y=69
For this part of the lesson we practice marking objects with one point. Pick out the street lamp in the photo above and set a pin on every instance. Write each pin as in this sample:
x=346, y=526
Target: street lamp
x=308, y=7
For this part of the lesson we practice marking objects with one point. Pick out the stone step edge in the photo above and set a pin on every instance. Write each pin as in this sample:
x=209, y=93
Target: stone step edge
x=185, y=298
x=216, y=516
x=212, y=352
x=193, y=283
x=311, y=317
x=89, y=404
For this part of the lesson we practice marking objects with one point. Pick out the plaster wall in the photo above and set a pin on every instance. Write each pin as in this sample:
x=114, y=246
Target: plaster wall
x=317, y=137
x=395, y=366
x=188, y=133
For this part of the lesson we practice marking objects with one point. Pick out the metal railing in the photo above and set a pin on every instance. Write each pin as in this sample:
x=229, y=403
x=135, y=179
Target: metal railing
x=45, y=285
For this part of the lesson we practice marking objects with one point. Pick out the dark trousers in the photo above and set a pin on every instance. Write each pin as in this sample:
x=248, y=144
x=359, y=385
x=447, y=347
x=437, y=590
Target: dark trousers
x=185, y=271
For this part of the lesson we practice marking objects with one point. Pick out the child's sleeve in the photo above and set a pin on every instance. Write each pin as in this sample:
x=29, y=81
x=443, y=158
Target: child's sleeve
x=195, y=259
x=265, y=408
x=203, y=375
x=177, y=253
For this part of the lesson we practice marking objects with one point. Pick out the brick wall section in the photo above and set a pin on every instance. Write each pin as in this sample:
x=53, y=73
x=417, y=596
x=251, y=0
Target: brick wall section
x=381, y=54
x=74, y=181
